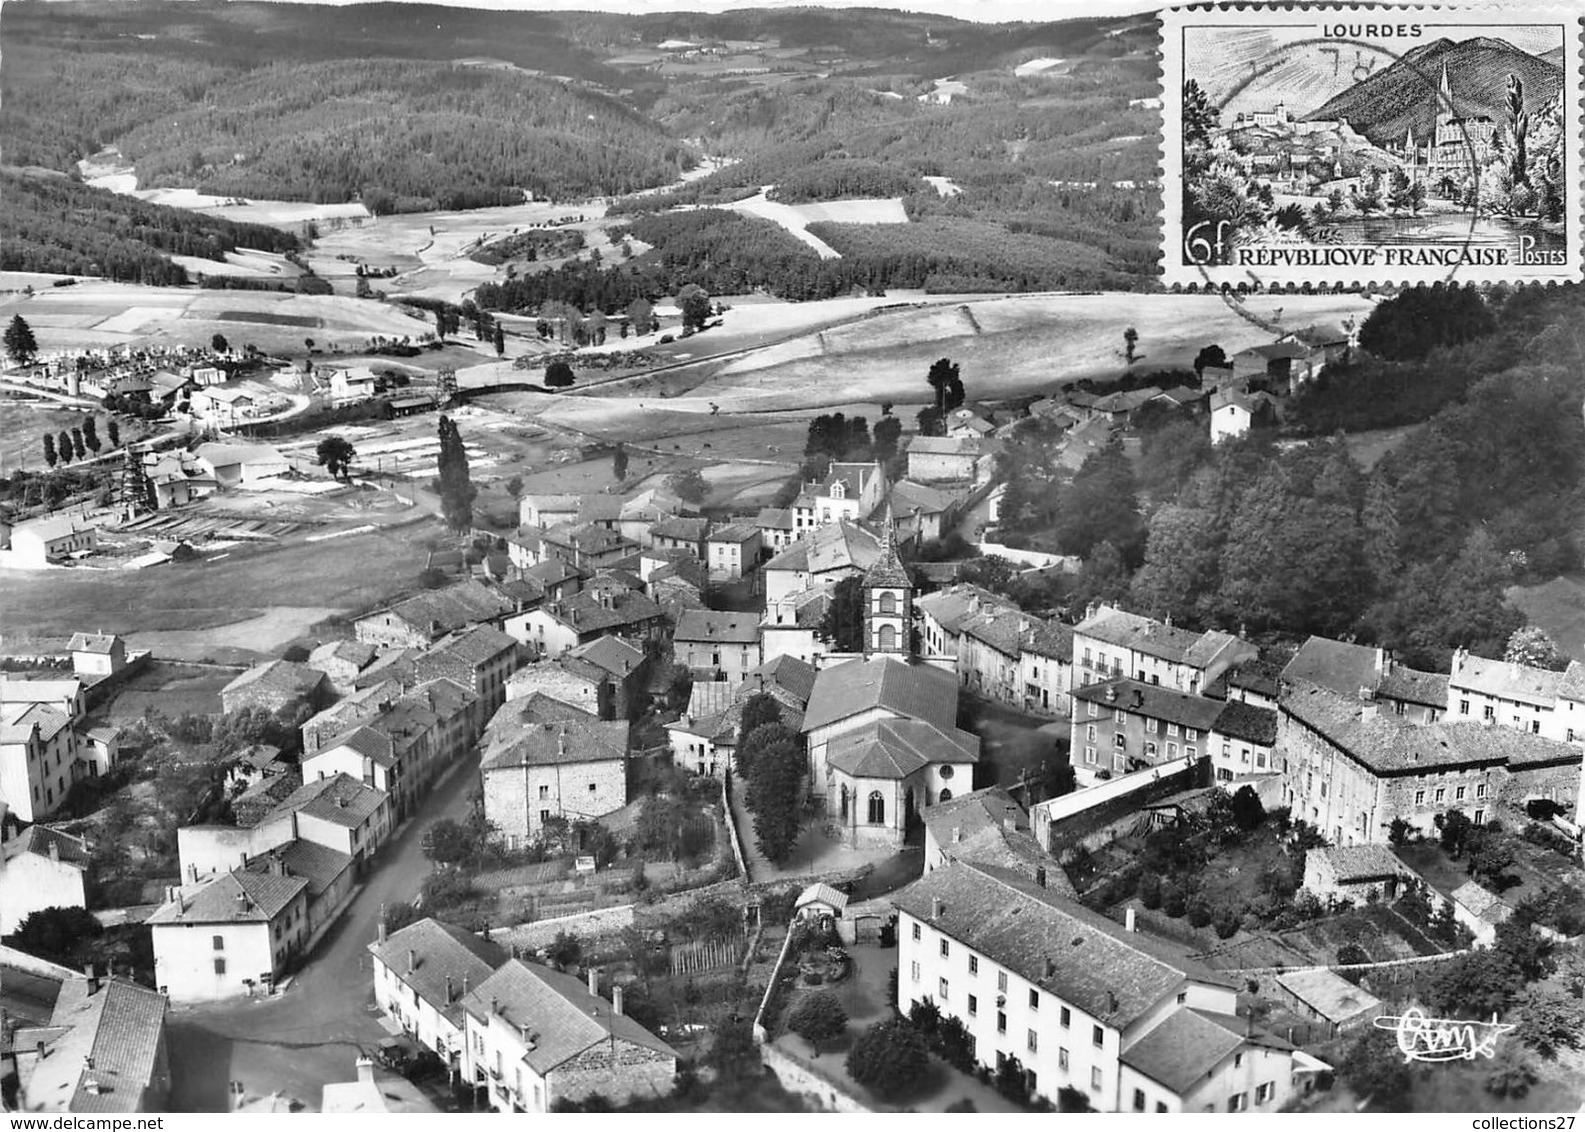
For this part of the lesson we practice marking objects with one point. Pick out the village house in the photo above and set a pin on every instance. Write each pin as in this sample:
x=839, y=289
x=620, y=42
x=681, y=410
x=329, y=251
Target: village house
x=1327, y=998
x=588, y=547
x=965, y=422
x=849, y=491
x=996, y=649
x=1135, y=1027
x=395, y=752
x=235, y=464
x=777, y=530
x=66, y=696
x=225, y=405
x=104, y=1052
x=823, y=556
x=939, y=459
x=1357, y=670
x=640, y=513
x=97, y=654
x=330, y=874
x=1111, y=643
x=680, y=532
x=253, y=764
x=987, y=827
x=704, y=738
x=562, y=769
x=373, y=1091
x=1232, y=412
x=732, y=551
x=923, y=513
x=577, y=683
x=338, y=812
x=229, y=935
x=535, y=1036
x=1359, y=873
x=558, y=626
x=37, y=543
x=355, y=383
x=619, y=667
x=421, y=975
x=883, y=745
x=1121, y=726
x=1278, y=367
x=1254, y=682
x=42, y=868
x=711, y=642
x=177, y=478
x=791, y=626
x=277, y=684
x=1350, y=769
x=418, y=621
x=479, y=659
x=341, y=662
x=38, y=757
x=1537, y=700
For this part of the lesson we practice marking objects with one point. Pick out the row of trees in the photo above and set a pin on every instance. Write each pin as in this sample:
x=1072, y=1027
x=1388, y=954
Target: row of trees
x=77, y=443
x=770, y=764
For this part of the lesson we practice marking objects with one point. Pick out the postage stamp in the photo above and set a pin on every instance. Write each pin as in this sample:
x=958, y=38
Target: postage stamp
x=1345, y=146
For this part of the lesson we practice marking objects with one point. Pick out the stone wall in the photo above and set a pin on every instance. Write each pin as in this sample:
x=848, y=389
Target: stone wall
x=796, y=1077
x=1072, y=821
x=585, y=925
x=618, y=1071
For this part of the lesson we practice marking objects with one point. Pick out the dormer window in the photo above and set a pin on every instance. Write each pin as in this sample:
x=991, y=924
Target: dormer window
x=838, y=489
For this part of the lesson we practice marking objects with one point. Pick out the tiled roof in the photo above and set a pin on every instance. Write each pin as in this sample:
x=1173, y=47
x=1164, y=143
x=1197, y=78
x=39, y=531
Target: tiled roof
x=38, y=691
x=734, y=533
x=38, y=839
x=558, y=1010
x=537, y=707
x=1127, y=400
x=906, y=495
x=18, y=720
x=1354, y=863
x=318, y=864
x=1505, y=680
x=1053, y=941
x=281, y=675
x=364, y=740
x=586, y=613
x=946, y=445
x=774, y=519
x=974, y=827
x=437, y=960
x=831, y=546
x=1154, y=701
x=553, y=572
x=437, y=612
x=356, y=653
x=92, y=642
x=787, y=672
x=223, y=455
x=819, y=893
x=478, y=645
x=558, y=742
x=1129, y=630
x=888, y=569
x=854, y=478
x=337, y=798
x=610, y=654
x=914, y=691
x=117, y=1031
x=598, y=507
x=1001, y=628
x=1189, y=1044
x=1051, y=639
x=1386, y=745
x=717, y=625
x=1572, y=686
x=681, y=529
x=1339, y=665
x=215, y=900
x=953, y=607
x=896, y=748
x=1426, y=688
x=1330, y=995
x=1486, y=905
x=585, y=539
x=1238, y=720
x=555, y=503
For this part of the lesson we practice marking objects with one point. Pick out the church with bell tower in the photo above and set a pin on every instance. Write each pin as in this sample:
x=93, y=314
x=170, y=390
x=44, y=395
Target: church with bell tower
x=888, y=601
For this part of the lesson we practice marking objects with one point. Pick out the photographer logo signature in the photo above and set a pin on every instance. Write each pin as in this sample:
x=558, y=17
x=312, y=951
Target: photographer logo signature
x=1442, y=1039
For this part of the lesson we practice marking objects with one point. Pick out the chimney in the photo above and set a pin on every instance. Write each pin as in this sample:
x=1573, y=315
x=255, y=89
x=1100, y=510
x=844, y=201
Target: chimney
x=412, y=960
x=450, y=997
x=594, y=981
x=242, y=900
x=1051, y=967
x=957, y=834
x=92, y=977
x=1366, y=695
x=1111, y=695
x=938, y=908
x=1010, y=823
x=495, y=1005
x=1383, y=662
x=55, y=850
x=365, y=1071
x=465, y=981
x=380, y=927
x=616, y=1000
x=1112, y=1003
x=1130, y=922
x=1040, y=875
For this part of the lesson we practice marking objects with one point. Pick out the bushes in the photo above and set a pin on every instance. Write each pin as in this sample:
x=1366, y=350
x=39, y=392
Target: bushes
x=1150, y=891
x=819, y=1018
x=1227, y=924
x=1176, y=902
x=890, y=1058
x=1199, y=913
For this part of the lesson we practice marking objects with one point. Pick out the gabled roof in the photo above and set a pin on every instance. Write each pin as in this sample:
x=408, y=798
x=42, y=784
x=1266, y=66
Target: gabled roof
x=38, y=691
x=92, y=642
x=1153, y=701
x=479, y=644
x=553, y=572
x=989, y=828
x=774, y=519
x=218, y=899
x=831, y=546
x=1330, y=995
x=437, y=960
x=586, y=612
x=285, y=676
x=820, y=893
x=17, y=722
x=1238, y=720
x=681, y=528
x=356, y=653
x=537, y=707
x=946, y=445
x=1053, y=941
x=907, y=496
x=1505, y=680
x=437, y=612
x=1189, y=1044
x=1129, y=630
x=337, y=798
x=712, y=625
x=116, y=1031
x=555, y=503
x=39, y=839
x=952, y=607
x=318, y=864
x=913, y=691
x=786, y=672
x=1343, y=667
x=225, y=455
x=897, y=748
x=611, y=655
x=854, y=478
x=558, y=742
x=734, y=533
x=1354, y=863
x=556, y=1013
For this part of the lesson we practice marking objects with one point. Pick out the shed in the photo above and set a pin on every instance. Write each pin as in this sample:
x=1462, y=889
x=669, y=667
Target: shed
x=819, y=900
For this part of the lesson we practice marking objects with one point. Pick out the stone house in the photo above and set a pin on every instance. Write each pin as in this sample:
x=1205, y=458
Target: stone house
x=1111, y=643
x=732, y=551
x=1355, y=872
x=97, y=654
x=104, y=1052
x=42, y=868
x=421, y=975
x=342, y=662
x=229, y=935
x=709, y=642
x=561, y=769
x=277, y=684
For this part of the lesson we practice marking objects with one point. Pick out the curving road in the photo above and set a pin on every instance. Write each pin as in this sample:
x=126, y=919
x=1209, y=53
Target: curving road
x=310, y=1034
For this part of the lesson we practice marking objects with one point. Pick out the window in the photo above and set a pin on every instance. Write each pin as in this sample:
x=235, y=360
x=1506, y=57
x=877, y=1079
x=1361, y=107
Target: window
x=1458, y=794
x=1238, y=1059
x=1264, y=1091
x=1032, y=1041
x=1097, y=1036
x=1119, y=716
x=220, y=966
x=1066, y=1017
x=593, y=788
x=941, y=989
x=1139, y=1100
x=1488, y=713
x=1480, y=790
x=219, y=942
x=974, y=1005
x=1089, y=755
x=877, y=808
x=1463, y=707
x=888, y=602
x=1089, y=732
x=1062, y=1059
x=544, y=792
x=1161, y=1106
x=916, y=933
x=1191, y=752
x=1183, y=997
x=1441, y=793
x=913, y=970
x=1094, y=711
x=1172, y=750
x=544, y=816
x=1001, y=982
x=1001, y=1022
x=946, y=948
x=1095, y=1078
x=1419, y=797
x=1238, y=1102
x=1119, y=740
x=1151, y=725
x=1172, y=729
x=946, y=773
x=1034, y=999
x=974, y=964
x=1480, y=817
x=887, y=638
x=1150, y=749
x=1192, y=734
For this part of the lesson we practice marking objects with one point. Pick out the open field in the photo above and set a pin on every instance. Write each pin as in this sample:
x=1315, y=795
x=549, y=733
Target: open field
x=171, y=689
x=796, y=218
x=27, y=422
x=1558, y=607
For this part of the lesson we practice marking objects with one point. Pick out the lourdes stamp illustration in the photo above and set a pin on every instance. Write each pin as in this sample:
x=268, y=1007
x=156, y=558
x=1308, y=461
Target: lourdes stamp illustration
x=1343, y=146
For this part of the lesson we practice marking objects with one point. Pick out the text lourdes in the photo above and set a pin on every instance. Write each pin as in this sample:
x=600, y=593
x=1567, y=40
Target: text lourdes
x=1372, y=31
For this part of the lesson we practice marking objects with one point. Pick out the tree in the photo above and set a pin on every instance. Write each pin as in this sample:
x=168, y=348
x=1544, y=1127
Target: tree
x=1374, y=1069
x=689, y=486
x=448, y=842
x=1511, y=1074
x=890, y=1058
x=1455, y=828
x=642, y=315
x=63, y=442
x=1200, y=115
x=1476, y=985
x=21, y=346
x=1213, y=356
x=818, y=1018
x=79, y=449
x=775, y=794
x=50, y=456
x=1248, y=812
x=335, y=454
x=694, y=302
x=57, y=934
x=456, y=485
x=619, y=463
x=760, y=708
x=1550, y=1020
x=887, y=432
x=114, y=430
x=500, y=340
x=1130, y=341
x=566, y=950
x=559, y=375
x=734, y=1055
x=843, y=624
x=1530, y=645
x=1101, y=505
x=91, y=435
x=219, y=344
x=944, y=380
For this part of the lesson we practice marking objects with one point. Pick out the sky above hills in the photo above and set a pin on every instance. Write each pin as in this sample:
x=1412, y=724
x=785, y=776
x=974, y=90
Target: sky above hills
x=980, y=11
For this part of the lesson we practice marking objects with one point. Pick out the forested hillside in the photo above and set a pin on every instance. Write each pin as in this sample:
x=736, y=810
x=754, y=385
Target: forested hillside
x=51, y=223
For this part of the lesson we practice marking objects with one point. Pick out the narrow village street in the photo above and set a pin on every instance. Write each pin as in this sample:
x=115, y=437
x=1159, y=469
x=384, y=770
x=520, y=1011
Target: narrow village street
x=310, y=1034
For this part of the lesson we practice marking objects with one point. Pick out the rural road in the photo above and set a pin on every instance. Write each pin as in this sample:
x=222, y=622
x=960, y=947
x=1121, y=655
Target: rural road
x=309, y=1035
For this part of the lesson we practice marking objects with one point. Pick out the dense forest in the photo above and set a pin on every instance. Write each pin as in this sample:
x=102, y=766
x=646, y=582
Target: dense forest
x=55, y=224
x=1414, y=553
x=839, y=180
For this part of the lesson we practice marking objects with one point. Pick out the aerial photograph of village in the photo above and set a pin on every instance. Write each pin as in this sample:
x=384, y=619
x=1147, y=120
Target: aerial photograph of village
x=661, y=561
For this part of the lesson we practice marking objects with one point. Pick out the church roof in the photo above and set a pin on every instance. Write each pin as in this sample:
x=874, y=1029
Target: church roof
x=888, y=570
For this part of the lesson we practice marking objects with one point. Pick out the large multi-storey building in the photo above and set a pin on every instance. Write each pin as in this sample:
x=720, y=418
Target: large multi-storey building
x=1111, y=643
